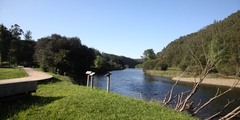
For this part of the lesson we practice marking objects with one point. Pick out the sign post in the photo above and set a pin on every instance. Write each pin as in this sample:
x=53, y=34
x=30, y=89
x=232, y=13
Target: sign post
x=92, y=79
x=88, y=73
x=108, y=81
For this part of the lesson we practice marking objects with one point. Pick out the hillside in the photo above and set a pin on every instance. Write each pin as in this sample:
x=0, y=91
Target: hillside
x=221, y=36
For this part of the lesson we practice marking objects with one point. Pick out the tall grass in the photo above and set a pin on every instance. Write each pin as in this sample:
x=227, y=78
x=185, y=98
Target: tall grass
x=60, y=99
x=170, y=73
x=7, y=73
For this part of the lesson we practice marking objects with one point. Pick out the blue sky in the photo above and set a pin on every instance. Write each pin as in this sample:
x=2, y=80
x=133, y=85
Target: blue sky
x=121, y=27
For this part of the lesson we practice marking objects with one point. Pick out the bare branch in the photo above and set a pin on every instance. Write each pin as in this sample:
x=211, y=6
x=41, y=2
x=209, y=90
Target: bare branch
x=222, y=109
x=171, y=91
x=140, y=94
x=215, y=97
x=232, y=114
x=197, y=105
x=180, y=99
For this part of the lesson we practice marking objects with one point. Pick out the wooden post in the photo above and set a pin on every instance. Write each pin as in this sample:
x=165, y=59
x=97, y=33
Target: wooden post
x=92, y=79
x=88, y=73
x=57, y=71
x=108, y=81
x=88, y=80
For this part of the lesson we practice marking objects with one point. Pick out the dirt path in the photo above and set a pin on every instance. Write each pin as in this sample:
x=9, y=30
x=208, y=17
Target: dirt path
x=213, y=81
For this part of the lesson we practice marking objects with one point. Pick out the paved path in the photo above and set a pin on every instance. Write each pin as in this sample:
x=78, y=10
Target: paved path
x=34, y=75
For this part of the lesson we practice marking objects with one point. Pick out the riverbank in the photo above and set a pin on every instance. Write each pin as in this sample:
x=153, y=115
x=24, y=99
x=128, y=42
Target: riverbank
x=58, y=98
x=188, y=77
x=211, y=81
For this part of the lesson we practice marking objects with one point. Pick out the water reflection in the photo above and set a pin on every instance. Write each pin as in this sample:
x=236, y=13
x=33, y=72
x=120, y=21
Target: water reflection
x=132, y=82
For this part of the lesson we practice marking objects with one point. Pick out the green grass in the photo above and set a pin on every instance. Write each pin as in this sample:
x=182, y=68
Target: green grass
x=174, y=72
x=60, y=99
x=170, y=73
x=8, y=73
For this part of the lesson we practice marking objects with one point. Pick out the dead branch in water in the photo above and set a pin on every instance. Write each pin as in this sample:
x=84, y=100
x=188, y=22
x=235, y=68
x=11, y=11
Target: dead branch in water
x=232, y=114
x=215, y=115
x=170, y=93
x=217, y=95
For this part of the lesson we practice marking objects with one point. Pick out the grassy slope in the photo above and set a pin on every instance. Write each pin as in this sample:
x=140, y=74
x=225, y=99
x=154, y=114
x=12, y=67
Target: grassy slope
x=60, y=99
x=7, y=73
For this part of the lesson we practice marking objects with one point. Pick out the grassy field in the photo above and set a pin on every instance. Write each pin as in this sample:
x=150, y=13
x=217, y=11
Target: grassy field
x=60, y=99
x=7, y=73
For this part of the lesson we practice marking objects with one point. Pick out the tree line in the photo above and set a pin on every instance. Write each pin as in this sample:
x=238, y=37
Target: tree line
x=55, y=53
x=221, y=37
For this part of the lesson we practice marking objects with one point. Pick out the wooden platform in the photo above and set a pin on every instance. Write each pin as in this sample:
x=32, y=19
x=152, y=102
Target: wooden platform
x=18, y=87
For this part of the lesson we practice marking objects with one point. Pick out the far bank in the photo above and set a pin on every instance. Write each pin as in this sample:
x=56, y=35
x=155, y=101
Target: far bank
x=175, y=75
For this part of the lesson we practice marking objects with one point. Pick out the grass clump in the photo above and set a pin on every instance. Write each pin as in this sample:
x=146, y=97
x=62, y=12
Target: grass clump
x=8, y=73
x=60, y=99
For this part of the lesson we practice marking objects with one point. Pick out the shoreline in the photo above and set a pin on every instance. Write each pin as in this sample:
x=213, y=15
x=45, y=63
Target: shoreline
x=210, y=81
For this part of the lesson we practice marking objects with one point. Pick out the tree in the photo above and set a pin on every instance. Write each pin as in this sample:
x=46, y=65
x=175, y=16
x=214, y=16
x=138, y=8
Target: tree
x=28, y=35
x=5, y=41
x=16, y=31
x=148, y=55
x=100, y=63
x=66, y=54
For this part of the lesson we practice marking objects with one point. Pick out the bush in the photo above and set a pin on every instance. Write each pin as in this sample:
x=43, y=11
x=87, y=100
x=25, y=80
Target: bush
x=164, y=66
x=183, y=66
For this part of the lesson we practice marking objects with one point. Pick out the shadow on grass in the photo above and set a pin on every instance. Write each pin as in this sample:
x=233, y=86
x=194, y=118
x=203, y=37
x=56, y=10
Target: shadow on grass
x=51, y=80
x=10, y=108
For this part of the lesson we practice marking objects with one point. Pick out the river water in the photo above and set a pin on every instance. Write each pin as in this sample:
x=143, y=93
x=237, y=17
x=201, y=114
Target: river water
x=133, y=82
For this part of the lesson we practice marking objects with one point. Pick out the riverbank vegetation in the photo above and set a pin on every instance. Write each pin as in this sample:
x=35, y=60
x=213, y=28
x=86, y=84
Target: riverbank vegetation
x=60, y=99
x=173, y=72
x=8, y=73
x=56, y=53
x=212, y=50
x=220, y=38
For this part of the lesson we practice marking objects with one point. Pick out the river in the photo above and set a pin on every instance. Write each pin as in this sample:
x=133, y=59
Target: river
x=132, y=82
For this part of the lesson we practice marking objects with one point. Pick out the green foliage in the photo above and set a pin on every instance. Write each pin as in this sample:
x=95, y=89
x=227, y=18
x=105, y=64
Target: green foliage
x=149, y=65
x=139, y=66
x=131, y=63
x=183, y=66
x=100, y=63
x=164, y=66
x=148, y=55
x=59, y=99
x=5, y=41
x=155, y=65
x=66, y=54
x=219, y=40
x=13, y=49
x=8, y=73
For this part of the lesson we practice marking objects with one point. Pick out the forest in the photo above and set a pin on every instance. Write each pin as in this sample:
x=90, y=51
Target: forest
x=221, y=38
x=55, y=53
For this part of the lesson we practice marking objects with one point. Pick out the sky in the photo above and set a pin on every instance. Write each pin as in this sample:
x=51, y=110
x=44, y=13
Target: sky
x=120, y=27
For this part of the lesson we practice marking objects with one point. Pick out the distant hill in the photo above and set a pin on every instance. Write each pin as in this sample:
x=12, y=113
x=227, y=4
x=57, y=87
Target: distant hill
x=222, y=35
x=126, y=61
x=131, y=63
